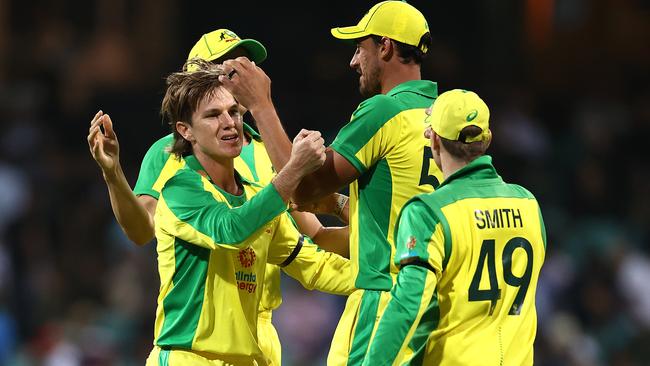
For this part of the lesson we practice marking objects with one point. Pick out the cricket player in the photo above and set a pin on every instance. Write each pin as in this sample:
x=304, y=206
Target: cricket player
x=135, y=209
x=470, y=254
x=381, y=154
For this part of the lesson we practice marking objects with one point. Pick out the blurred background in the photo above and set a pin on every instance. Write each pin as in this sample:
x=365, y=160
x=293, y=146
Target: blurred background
x=566, y=81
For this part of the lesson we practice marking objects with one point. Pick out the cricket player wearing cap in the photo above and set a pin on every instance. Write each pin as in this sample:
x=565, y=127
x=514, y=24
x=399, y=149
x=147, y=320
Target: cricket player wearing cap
x=470, y=255
x=381, y=154
x=134, y=210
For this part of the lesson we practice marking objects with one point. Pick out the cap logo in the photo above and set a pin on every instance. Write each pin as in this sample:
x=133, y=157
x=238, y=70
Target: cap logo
x=228, y=36
x=472, y=115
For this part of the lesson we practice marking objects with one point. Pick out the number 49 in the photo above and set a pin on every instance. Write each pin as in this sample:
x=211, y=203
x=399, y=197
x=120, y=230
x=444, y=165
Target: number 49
x=494, y=292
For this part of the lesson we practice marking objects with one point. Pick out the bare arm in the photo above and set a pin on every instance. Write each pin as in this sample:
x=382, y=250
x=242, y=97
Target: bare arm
x=134, y=214
x=332, y=239
x=252, y=88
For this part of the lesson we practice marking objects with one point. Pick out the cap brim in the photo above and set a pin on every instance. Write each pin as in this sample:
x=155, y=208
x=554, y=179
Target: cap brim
x=352, y=32
x=255, y=49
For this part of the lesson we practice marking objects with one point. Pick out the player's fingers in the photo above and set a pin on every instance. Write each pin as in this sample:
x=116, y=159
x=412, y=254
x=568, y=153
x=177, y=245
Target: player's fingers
x=92, y=135
x=97, y=115
x=96, y=122
x=108, y=127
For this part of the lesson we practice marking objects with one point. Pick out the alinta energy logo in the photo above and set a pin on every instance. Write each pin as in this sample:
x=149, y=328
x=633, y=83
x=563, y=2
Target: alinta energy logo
x=246, y=281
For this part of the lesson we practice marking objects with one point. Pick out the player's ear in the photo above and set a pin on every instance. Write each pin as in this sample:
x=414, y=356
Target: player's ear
x=386, y=48
x=185, y=130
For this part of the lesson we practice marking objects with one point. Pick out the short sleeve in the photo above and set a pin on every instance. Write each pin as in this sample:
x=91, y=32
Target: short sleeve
x=363, y=141
x=152, y=165
x=419, y=235
x=285, y=239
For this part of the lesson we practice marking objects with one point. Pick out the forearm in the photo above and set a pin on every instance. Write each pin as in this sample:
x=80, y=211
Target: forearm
x=286, y=182
x=323, y=271
x=410, y=297
x=334, y=239
x=134, y=219
x=277, y=143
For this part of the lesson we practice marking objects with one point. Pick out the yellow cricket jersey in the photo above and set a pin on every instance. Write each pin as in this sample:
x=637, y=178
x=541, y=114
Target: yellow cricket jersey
x=253, y=164
x=212, y=252
x=385, y=142
x=471, y=253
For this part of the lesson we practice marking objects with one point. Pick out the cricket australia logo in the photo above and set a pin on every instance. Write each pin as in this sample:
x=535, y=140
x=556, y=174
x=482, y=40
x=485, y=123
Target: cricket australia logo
x=228, y=36
x=411, y=243
x=247, y=257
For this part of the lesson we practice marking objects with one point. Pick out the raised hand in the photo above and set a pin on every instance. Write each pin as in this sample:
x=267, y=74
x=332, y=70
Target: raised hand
x=103, y=145
x=247, y=82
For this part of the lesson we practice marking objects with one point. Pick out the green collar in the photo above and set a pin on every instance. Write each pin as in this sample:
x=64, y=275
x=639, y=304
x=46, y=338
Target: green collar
x=479, y=169
x=251, y=131
x=423, y=87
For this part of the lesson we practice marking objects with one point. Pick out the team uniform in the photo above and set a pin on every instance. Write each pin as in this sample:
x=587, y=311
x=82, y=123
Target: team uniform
x=475, y=246
x=212, y=252
x=385, y=142
x=253, y=165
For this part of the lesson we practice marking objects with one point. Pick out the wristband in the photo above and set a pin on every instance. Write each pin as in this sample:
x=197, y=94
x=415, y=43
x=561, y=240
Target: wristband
x=341, y=200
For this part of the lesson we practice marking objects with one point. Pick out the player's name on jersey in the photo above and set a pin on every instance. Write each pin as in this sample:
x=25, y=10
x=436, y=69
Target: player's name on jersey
x=498, y=218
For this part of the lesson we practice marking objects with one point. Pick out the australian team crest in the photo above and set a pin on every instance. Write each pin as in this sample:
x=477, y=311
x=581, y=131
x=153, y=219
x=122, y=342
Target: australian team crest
x=247, y=257
x=411, y=243
x=228, y=36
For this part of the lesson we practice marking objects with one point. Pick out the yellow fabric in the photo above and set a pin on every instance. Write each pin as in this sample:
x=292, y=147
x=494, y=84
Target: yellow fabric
x=397, y=20
x=217, y=43
x=402, y=144
x=465, y=320
x=236, y=333
x=457, y=109
x=344, y=334
x=268, y=338
x=185, y=358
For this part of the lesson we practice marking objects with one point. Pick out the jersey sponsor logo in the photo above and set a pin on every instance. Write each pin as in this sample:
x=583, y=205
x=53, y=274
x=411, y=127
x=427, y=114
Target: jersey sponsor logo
x=247, y=257
x=246, y=281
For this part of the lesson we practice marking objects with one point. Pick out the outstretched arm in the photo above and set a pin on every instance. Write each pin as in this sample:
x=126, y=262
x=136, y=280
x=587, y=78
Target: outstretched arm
x=134, y=214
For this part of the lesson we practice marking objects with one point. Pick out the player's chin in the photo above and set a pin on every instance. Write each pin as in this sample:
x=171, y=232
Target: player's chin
x=231, y=151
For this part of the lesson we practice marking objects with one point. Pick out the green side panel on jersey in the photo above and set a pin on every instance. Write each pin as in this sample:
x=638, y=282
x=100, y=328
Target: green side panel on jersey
x=541, y=223
x=152, y=164
x=365, y=324
x=375, y=196
x=428, y=323
x=248, y=155
x=370, y=117
x=182, y=305
x=163, y=357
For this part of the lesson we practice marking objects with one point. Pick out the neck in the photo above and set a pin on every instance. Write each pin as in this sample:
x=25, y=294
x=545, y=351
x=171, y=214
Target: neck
x=396, y=73
x=221, y=172
x=450, y=165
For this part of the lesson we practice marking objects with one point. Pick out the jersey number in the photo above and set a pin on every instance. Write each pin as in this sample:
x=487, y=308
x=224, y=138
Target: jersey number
x=425, y=177
x=494, y=292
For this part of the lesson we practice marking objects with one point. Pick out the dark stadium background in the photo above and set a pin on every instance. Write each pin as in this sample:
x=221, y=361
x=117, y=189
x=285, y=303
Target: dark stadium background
x=566, y=81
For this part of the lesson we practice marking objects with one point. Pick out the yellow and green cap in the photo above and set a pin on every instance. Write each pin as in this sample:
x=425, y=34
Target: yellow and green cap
x=456, y=109
x=217, y=43
x=396, y=20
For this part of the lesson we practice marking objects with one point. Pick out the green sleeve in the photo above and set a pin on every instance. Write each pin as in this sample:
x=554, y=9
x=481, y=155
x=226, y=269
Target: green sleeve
x=191, y=204
x=410, y=297
x=414, y=233
x=153, y=163
x=363, y=130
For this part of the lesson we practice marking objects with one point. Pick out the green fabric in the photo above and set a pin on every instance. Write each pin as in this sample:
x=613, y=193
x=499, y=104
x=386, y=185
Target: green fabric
x=182, y=305
x=541, y=223
x=375, y=195
x=365, y=324
x=152, y=164
x=415, y=226
x=428, y=323
x=190, y=203
x=373, y=113
x=251, y=132
x=248, y=155
x=399, y=316
x=163, y=357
